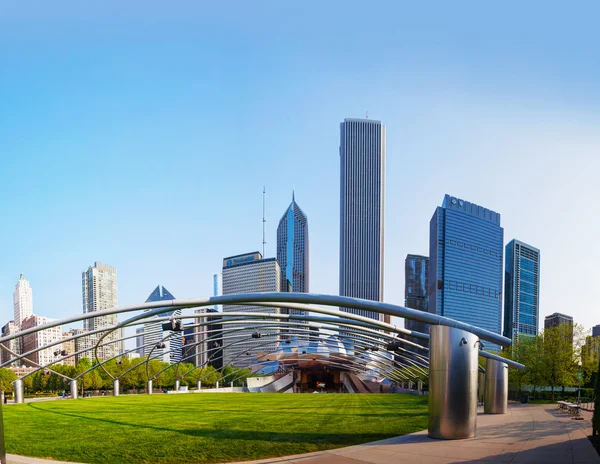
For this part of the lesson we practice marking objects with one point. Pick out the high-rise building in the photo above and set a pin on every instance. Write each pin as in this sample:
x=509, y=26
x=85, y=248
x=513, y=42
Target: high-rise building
x=591, y=350
x=154, y=333
x=207, y=339
x=293, y=252
x=416, y=270
x=10, y=328
x=362, y=198
x=99, y=291
x=216, y=289
x=41, y=338
x=249, y=273
x=596, y=331
x=521, y=290
x=563, y=321
x=465, y=264
x=139, y=340
x=68, y=348
x=84, y=345
x=22, y=300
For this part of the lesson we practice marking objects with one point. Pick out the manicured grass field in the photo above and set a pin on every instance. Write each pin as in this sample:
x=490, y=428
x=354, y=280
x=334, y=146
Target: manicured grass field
x=205, y=428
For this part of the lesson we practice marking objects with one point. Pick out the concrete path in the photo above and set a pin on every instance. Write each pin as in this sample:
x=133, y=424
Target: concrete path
x=528, y=434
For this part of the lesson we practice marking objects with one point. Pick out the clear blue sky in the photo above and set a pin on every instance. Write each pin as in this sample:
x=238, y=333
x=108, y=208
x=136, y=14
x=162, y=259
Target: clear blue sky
x=140, y=134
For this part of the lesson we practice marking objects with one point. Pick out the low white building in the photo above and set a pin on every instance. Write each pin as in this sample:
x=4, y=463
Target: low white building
x=38, y=339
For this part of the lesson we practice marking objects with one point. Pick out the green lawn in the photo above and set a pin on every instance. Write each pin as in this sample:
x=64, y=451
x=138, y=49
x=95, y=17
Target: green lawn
x=205, y=428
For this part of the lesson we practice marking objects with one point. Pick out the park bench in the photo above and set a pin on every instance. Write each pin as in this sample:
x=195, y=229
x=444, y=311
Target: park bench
x=562, y=404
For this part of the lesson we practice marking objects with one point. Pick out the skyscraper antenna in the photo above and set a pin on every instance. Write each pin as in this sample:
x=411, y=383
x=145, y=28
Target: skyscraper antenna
x=264, y=223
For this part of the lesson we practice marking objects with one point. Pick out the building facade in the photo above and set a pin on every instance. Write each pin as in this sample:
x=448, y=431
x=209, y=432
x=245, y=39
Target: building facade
x=84, y=345
x=10, y=328
x=596, y=331
x=207, y=340
x=22, y=301
x=68, y=348
x=521, y=290
x=139, y=340
x=465, y=268
x=362, y=208
x=293, y=252
x=41, y=338
x=416, y=270
x=99, y=291
x=154, y=333
x=249, y=273
x=563, y=321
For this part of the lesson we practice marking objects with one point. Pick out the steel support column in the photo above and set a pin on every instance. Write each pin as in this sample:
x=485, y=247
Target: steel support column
x=74, y=389
x=116, y=387
x=496, y=387
x=199, y=384
x=149, y=387
x=452, y=383
x=177, y=384
x=18, y=388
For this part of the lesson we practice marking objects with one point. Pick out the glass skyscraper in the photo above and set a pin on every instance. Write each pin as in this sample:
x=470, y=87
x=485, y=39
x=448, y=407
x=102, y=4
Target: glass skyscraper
x=362, y=197
x=521, y=290
x=465, y=269
x=416, y=270
x=292, y=251
x=153, y=332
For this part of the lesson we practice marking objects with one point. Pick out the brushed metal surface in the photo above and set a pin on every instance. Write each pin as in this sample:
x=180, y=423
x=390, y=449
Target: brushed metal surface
x=18, y=389
x=496, y=387
x=149, y=387
x=116, y=387
x=74, y=389
x=452, y=383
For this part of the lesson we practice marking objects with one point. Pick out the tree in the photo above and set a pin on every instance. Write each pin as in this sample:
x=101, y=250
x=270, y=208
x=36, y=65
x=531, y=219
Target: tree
x=559, y=357
x=7, y=377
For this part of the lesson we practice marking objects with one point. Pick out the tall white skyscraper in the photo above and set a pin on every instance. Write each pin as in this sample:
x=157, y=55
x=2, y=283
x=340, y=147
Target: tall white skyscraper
x=99, y=291
x=249, y=273
x=22, y=300
x=362, y=198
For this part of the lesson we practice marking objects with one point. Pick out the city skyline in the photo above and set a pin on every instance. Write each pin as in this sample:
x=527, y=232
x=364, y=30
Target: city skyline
x=102, y=134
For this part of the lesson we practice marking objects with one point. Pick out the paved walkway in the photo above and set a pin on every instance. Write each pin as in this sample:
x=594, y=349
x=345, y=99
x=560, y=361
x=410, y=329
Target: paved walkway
x=528, y=434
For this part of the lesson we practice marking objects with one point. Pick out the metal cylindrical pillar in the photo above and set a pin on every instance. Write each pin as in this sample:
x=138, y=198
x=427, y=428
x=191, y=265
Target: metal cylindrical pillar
x=496, y=387
x=217, y=384
x=177, y=384
x=149, y=387
x=116, y=387
x=18, y=388
x=453, y=355
x=74, y=389
x=480, y=387
x=199, y=384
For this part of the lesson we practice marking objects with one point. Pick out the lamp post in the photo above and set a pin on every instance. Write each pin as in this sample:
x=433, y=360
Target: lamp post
x=579, y=382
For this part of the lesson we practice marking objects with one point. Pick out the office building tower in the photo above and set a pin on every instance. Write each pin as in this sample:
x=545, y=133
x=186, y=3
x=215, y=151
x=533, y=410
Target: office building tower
x=139, y=340
x=362, y=198
x=99, y=291
x=293, y=252
x=563, y=321
x=41, y=338
x=249, y=273
x=465, y=264
x=521, y=290
x=216, y=291
x=596, y=331
x=14, y=345
x=84, y=345
x=590, y=351
x=155, y=336
x=68, y=348
x=207, y=339
x=22, y=300
x=416, y=270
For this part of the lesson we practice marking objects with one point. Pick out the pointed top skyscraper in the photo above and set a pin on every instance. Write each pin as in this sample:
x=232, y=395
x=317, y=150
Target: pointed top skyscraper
x=293, y=249
x=153, y=333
